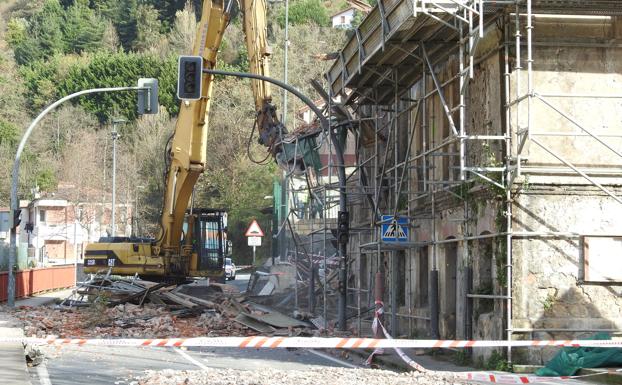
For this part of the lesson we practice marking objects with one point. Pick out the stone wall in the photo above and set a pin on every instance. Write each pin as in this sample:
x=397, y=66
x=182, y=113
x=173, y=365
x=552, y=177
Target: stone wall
x=549, y=291
x=572, y=56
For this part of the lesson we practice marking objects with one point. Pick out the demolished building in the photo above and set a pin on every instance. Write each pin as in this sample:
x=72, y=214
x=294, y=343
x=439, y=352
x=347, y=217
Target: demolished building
x=491, y=131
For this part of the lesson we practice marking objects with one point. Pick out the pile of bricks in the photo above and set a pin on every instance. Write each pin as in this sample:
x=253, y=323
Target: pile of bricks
x=139, y=309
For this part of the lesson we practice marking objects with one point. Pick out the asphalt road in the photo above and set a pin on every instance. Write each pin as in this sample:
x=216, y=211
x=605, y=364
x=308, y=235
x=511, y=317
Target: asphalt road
x=117, y=365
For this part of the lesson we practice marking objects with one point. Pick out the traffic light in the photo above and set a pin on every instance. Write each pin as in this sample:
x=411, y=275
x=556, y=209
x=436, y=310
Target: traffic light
x=343, y=226
x=189, y=77
x=148, y=102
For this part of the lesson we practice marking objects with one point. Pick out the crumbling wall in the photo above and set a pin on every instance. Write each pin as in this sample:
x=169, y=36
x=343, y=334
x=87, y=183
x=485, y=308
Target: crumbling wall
x=549, y=292
x=461, y=267
x=484, y=108
x=574, y=57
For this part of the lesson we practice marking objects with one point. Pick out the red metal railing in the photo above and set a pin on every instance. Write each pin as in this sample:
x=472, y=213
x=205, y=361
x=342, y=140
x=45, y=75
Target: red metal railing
x=31, y=281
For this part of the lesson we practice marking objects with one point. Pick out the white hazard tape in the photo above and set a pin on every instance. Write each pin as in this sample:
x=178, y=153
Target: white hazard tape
x=311, y=342
x=399, y=351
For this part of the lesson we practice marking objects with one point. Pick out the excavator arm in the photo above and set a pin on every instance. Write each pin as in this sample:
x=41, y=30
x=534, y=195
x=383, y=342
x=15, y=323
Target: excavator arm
x=259, y=51
x=199, y=254
x=187, y=152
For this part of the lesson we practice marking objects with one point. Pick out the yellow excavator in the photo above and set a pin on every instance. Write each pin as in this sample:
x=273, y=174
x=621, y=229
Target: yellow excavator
x=192, y=242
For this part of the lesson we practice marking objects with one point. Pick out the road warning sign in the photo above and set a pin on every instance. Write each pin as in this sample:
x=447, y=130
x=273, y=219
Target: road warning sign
x=394, y=229
x=254, y=230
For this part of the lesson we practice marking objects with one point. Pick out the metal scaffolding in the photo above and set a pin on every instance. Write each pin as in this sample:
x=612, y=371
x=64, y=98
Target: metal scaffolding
x=406, y=76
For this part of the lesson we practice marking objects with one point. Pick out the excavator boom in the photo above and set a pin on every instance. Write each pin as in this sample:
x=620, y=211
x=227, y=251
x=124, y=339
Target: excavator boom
x=191, y=244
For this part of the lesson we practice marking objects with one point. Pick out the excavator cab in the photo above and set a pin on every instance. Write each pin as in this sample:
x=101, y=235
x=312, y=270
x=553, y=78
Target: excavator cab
x=209, y=242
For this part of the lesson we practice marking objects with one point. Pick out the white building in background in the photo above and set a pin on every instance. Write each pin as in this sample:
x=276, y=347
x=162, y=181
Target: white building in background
x=55, y=230
x=343, y=19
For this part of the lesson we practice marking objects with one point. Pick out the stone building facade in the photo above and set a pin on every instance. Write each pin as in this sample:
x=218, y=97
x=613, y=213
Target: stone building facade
x=504, y=155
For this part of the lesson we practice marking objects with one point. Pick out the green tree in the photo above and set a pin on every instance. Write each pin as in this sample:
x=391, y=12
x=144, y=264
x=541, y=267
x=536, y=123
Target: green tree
x=148, y=30
x=41, y=81
x=39, y=38
x=305, y=12
x=169, y=8
x=46, y=27
x=9, y=133
x=16, y=31
x=46, y=180
x=357, y=19
x=120, y=69
x=46, y=81
x=83, y=29
x=127, y=24
x=55, y=30
x=109, y=9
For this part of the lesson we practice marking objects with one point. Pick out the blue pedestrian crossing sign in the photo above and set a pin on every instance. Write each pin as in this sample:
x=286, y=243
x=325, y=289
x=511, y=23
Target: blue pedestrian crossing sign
x=394, y=229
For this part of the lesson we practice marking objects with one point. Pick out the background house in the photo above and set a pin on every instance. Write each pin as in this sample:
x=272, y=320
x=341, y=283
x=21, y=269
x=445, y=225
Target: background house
x=55, y=227
x=343, y=19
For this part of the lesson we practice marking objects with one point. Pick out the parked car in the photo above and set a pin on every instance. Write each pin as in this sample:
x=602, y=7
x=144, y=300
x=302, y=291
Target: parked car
x=229, y=269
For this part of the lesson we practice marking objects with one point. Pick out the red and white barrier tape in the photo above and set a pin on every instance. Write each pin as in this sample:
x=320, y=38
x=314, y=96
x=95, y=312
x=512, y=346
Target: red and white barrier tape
x=522, y=379
x=317, y=342
x=311, y=342
x=374, y=328
x=507, y=378
x=480, y=376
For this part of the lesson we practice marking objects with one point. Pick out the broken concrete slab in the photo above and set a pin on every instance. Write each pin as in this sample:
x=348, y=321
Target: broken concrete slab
x=274, y=318
x=254, y=324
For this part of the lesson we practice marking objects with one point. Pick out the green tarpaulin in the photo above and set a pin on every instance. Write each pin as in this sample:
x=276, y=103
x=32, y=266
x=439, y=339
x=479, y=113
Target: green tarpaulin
x=569, y=360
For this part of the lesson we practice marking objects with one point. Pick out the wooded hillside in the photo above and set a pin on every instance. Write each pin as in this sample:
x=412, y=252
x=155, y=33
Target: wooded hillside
x=51, y=48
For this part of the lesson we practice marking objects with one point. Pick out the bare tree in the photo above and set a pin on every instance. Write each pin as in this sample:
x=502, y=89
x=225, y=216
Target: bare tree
x=181, y=38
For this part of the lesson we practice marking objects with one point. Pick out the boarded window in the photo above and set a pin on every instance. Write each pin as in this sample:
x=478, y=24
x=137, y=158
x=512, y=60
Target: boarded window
x=602, y=259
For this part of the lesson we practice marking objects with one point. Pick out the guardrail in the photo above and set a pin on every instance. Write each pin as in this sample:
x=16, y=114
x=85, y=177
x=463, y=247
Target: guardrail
x=32, y=281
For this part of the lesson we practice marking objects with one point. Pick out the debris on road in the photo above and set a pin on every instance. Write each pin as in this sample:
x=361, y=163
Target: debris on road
x=108, y=307
x=313, y=376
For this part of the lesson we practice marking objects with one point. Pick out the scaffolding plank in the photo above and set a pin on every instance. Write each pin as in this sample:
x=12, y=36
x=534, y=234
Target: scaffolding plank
x=391, y=34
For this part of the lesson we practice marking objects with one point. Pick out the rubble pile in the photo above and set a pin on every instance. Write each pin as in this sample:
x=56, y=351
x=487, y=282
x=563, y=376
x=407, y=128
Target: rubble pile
x=114, y=308
x=313, y=376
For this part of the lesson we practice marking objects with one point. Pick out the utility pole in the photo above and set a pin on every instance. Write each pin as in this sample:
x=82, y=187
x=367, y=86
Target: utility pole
x=115, y=136
x=284, y=194
x=285, y=49
x=75, y=243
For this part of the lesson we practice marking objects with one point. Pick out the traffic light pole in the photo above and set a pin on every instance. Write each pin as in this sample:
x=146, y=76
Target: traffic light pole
x=15, y=177
x=341, y=175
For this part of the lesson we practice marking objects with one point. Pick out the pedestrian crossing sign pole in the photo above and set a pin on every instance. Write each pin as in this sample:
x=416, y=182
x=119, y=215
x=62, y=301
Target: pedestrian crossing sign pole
x=394, y=229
